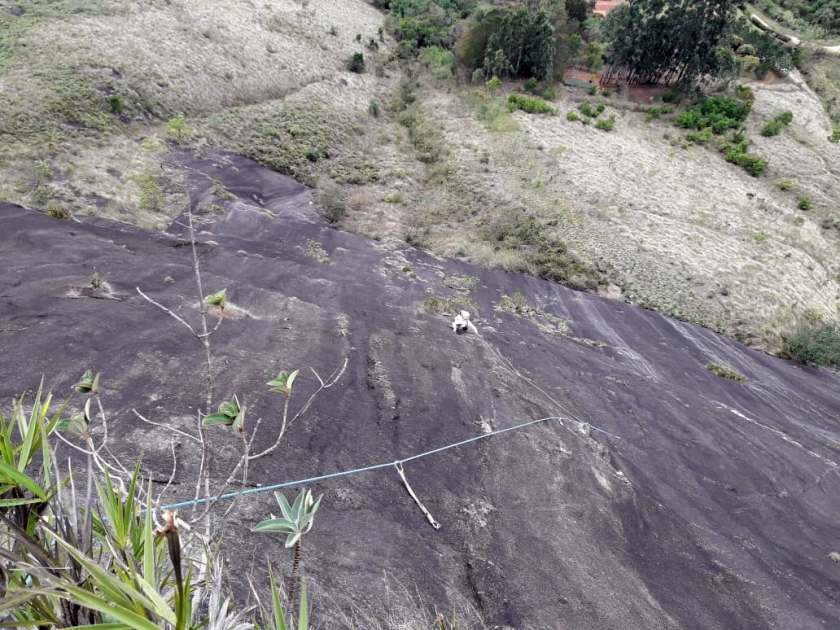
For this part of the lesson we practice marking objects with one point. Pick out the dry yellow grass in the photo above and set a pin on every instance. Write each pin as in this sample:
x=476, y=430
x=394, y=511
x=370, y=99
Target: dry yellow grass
x=64, y=145
x=678, y=226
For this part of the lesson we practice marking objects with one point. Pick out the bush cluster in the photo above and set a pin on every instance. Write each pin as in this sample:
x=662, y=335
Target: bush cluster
x=816, y=343
x=775, y=126
x=721, y=113
x=529, y=105
x=591, y=112
x=717, y=115
x=606, y=124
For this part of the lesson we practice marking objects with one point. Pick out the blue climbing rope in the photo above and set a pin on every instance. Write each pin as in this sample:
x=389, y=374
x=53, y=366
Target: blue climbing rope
x=344, y=473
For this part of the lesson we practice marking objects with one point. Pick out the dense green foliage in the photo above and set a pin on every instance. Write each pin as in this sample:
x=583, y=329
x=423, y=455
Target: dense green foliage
x=758, y=51
x=775, y=126
x=817, y=343
x=532, y=39
x=824, y=14
x=714, y=117
x=720, y=113
x=656, y=40
x=420, y=23
x=530, y=105
x=523, y=44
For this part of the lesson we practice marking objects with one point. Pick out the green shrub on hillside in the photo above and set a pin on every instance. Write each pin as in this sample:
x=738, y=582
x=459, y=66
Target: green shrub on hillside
x=775, y=126
x=356, y=63
x=754, y=165
x=592, y=112
x=606, y=124
x=529, y=105
x=818, y=344
x=721, y=113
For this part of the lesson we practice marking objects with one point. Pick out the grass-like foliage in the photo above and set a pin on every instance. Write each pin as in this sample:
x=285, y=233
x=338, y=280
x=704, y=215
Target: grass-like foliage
x=726, y=372
x=94, y=551
x=530, y=105
x=816, y=343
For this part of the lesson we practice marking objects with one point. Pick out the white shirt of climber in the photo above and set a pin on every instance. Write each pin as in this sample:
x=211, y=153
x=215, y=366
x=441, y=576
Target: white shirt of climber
x=462, y=323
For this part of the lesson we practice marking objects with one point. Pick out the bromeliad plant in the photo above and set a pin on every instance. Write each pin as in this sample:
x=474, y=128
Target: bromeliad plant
x=99, y=561
x=296, y=521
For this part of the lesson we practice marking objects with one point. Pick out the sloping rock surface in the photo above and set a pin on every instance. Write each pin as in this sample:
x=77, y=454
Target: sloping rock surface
x=712, y=504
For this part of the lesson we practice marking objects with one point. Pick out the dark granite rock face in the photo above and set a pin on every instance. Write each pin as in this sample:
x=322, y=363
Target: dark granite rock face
x=714, y=507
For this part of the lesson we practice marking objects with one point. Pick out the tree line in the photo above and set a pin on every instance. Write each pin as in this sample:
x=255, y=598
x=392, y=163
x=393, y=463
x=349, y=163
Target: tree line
x=645, y=41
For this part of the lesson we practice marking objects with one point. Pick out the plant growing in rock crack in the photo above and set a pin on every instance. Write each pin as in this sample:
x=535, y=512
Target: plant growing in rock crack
x=296, y=521
x=217, y=299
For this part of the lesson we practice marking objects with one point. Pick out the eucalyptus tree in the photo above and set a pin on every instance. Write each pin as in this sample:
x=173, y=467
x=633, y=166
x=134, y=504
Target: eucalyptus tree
x=673, y=41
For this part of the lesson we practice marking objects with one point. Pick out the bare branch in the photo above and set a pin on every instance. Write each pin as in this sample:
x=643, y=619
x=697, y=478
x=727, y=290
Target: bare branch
x=174, y=430
x=105, y=437
x=174, y=468
x=167, y=311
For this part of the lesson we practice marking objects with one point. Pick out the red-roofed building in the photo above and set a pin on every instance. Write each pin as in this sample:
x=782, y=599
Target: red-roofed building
x=603, y=7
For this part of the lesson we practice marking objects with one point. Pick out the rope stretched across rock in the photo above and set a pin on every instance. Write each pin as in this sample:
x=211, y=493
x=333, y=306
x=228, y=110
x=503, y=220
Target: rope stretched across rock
x=354, y=471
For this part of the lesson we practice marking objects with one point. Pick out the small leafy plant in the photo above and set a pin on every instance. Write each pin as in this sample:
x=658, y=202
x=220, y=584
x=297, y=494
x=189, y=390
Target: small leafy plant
x=726, y=372
x=217, y=299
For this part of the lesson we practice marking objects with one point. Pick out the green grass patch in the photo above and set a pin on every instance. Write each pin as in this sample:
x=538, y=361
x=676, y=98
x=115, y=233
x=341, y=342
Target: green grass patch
x=288, y=139
x=462, y=283
x=440, y=305
x=726, y=372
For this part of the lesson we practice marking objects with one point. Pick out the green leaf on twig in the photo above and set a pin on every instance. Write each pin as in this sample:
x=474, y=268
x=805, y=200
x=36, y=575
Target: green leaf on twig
x=217, y=299
x=88, y=384
x=283, y=383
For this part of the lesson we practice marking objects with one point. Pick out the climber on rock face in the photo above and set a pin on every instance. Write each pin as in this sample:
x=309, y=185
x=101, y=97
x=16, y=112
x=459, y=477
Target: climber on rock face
x=462, y=323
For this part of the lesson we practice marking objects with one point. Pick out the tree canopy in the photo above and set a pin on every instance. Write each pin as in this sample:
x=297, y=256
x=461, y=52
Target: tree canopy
x=671, y=41
x=523, y=44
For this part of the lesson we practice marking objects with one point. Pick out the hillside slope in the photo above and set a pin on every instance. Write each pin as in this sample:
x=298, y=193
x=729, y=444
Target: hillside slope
x=711, y=503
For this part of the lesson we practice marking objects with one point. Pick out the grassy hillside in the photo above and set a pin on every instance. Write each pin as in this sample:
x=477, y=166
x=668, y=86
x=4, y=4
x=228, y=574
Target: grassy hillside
x=410, y=150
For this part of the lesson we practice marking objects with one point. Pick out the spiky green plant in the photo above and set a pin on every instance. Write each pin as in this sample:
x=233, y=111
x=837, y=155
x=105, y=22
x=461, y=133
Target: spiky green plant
x=296, y=521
